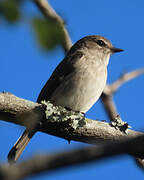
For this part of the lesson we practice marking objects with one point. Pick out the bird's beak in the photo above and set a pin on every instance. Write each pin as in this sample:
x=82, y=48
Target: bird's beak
x=115, y=50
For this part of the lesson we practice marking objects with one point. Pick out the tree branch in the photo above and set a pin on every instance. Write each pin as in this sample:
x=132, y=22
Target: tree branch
x=50, y=13
x=27, y=113
x=107, y=95
x=43, y=163
x=112, y=88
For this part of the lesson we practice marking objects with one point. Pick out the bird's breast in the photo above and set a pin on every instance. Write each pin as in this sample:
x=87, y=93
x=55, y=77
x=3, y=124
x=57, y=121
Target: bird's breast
x=81, y=89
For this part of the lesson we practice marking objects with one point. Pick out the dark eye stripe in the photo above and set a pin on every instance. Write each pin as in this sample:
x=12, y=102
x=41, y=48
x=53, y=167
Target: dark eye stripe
x=101, y=43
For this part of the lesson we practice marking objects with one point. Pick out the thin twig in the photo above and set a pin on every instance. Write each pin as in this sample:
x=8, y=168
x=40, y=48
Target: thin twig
x=107, y=95
x=50, y=13
x=123, y=79
x=109, y=106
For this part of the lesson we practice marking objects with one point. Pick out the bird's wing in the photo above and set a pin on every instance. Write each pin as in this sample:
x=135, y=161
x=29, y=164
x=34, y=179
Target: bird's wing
x=65, y=68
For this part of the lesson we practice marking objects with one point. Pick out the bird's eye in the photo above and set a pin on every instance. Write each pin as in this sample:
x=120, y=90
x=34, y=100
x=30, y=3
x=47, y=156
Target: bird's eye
x=101, y=43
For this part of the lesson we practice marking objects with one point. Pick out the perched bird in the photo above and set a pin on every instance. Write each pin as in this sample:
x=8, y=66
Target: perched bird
x=76, y=83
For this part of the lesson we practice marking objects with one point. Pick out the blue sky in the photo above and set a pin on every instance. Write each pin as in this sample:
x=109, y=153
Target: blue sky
x=25, y=68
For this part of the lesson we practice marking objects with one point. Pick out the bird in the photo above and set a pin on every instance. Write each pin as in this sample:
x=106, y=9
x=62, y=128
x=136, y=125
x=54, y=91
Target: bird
x=76, y=83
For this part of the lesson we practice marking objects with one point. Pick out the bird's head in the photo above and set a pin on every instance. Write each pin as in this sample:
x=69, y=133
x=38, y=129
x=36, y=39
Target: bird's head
x=96, y=47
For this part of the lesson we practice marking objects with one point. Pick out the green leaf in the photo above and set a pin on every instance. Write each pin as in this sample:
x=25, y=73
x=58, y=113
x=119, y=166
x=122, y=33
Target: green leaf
x=10, y=10
x=49, y=33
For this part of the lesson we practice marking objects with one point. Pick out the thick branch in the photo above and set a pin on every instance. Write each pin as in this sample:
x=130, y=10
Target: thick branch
x=49, y=13
x=26, y=113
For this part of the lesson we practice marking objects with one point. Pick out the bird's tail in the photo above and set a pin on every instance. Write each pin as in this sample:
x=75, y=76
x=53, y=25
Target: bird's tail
x=20, y=145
